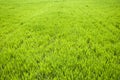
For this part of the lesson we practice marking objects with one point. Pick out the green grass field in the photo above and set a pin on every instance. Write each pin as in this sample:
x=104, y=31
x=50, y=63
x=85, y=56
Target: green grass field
x=59, y=39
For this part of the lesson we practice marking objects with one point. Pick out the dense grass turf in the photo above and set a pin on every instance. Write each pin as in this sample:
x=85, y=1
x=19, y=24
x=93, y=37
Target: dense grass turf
x=59, y=40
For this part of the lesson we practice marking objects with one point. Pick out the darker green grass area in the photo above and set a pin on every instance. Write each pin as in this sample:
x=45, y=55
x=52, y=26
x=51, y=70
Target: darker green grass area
x=59, y=40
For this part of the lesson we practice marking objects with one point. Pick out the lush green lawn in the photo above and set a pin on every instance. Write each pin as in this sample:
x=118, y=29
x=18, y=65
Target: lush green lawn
x=59, y=39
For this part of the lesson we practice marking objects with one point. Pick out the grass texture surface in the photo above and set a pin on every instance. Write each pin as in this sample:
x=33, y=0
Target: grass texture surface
x=59, y=39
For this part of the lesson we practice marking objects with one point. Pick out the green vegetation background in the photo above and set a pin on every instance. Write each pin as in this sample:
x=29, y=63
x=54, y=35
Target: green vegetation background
x=59, y=39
